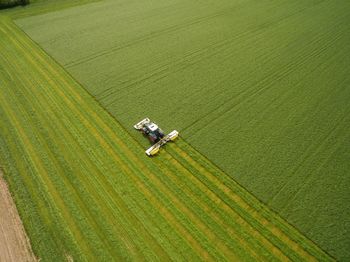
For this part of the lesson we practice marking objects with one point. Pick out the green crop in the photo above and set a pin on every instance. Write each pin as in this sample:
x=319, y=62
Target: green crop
x=258, y=87
x=85, y=189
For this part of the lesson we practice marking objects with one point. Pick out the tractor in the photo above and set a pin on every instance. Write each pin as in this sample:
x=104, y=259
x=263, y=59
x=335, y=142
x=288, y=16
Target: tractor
x=155, y=135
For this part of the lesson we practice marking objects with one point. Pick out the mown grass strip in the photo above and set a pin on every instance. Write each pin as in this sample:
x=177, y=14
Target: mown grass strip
x=51, y=171
x=226, y=218
x=89, y=126
x=234, y=194
x=105, y=185
x=100, y=140
x=103, y=201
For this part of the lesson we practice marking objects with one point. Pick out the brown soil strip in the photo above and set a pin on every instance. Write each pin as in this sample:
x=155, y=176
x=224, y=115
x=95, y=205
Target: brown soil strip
x=14, y=243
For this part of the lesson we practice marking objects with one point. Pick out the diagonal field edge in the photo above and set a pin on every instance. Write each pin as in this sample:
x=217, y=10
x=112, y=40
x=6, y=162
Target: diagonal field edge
x=126, y=131
x=138, y=145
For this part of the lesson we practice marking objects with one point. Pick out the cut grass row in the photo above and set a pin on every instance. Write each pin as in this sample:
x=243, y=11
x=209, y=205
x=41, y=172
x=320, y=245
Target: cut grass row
x=85, y=189
x=258, y=87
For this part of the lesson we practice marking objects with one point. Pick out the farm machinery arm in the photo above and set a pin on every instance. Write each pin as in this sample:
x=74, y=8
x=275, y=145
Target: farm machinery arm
x=147, y=127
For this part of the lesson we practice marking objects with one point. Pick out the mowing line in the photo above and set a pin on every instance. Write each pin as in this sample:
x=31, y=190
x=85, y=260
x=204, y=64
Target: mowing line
x=158, y=253
x=237, y=199
x=107, y=146
x=184, y=209
x=40, y=169
x=176, y=168
x=78, y=96
x=257, y=214
x=62, y=172
x=227, y=212
x=146, y=176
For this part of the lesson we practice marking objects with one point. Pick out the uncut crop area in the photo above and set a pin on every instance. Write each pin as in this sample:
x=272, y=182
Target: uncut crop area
x=85, y=191
x=259, y=88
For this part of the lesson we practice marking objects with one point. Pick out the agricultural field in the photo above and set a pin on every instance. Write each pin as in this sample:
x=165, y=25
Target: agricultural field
x=260, y=88
x=86, y=191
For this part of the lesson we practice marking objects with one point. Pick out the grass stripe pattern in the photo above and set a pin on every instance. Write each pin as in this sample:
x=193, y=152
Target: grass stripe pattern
x=85, y=189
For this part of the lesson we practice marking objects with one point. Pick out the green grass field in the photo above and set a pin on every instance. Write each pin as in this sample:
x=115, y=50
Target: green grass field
x=258, y=87
x=85, y=190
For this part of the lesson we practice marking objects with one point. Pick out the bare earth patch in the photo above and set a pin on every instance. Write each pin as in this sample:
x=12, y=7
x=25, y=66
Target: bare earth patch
x=14, y=243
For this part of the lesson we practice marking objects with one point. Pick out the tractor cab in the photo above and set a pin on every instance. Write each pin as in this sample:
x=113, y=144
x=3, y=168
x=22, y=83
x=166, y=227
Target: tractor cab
x=155, y=135
x=153, y=132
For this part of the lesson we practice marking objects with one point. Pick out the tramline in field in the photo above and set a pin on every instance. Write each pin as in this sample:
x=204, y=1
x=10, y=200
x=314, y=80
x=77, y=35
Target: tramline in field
x=263, y=108
x=155, y=135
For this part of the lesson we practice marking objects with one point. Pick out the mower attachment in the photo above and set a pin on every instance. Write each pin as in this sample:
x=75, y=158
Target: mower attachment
x=155, y=135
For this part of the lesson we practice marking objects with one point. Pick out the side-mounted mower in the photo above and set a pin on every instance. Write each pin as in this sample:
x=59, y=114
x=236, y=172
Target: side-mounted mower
x=155, y=135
